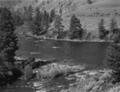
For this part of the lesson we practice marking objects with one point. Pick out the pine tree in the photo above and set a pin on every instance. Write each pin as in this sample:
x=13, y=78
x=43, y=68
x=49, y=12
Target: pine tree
x=113, y=58
x=89, y=1
x=59, y=26
x=76, y=30
x=18, y=20
x=41, y=22
x=45, y=22
x=113, y=55
x=8, y=47
x=52, y=15
x=113, y=25
x=8, y=39
x=102, y=31
x=113, y=28
x=28, y=13
x=37, y=22
x=60, y=11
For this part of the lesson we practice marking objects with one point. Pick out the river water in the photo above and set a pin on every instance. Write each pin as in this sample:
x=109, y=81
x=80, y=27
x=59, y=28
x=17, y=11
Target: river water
x=89, y=53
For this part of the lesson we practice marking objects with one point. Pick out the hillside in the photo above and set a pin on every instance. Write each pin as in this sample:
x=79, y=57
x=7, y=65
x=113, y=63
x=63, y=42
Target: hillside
x=70, y=6
x=79, y=7
x=89, y=14
x=105, y=6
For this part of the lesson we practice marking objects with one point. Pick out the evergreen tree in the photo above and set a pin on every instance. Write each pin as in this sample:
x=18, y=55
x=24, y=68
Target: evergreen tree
x=8, y=39
x=89, y=1
x=45, y=22
x=113, y=28
x=36, y=1
x=102, y=31
x=60, y=11
x=37, y=22
x=52, y=15
x=76, y=30
x=113, y=58
x=8, y=47
x=59, y=26
x=28, y=13
x=117, y=37
x=113, y=25
x=18, y=20
x=41, y=22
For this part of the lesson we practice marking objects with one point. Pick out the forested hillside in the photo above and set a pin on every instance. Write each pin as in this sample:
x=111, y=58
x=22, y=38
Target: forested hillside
x=89, y=12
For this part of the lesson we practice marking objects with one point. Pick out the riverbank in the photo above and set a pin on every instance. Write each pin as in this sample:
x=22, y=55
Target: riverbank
x=62, y=77
x=82, y=80
x=66, y=39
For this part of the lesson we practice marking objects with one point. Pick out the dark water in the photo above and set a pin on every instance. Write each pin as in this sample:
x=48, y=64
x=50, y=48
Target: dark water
x=90, y=53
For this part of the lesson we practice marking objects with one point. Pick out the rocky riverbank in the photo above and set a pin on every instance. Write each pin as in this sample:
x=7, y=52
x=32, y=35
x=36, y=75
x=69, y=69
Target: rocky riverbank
x=90, y=81
x=64, y=78
x=61, y=77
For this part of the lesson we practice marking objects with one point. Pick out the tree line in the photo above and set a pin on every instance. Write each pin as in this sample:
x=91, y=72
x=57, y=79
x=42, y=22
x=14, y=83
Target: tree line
x=8, y=46
x=51, y=24
x=43, y=22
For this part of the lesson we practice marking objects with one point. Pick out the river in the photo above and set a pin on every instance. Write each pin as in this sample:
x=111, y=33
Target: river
x=89, y=53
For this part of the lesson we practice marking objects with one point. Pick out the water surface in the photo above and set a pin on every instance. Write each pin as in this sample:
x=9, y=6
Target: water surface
x=90, y=53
